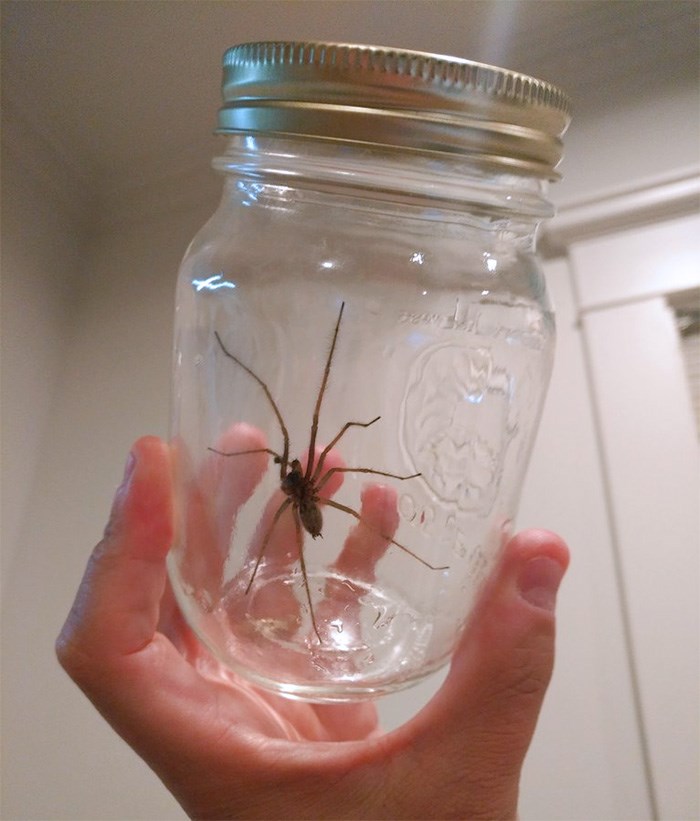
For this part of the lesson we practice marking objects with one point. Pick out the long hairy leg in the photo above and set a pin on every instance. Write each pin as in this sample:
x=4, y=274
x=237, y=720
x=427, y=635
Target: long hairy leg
x=356, y=515
x=284, y=459
x=334, y=442
x=327, y=475
x=278, y=458
x=278, y=513
x=319, y=398
x=302, y=563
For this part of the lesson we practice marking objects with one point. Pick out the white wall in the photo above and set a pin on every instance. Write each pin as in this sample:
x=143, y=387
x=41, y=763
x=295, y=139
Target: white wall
x=96, y=378
x=42, y=253
x=86, y=348
x=656, y=134
x=649, y=442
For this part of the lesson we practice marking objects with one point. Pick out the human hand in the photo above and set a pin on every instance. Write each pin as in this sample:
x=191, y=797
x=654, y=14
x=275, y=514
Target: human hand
x=227, y=750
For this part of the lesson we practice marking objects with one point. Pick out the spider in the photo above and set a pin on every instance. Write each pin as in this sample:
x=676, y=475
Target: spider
x=302, y=487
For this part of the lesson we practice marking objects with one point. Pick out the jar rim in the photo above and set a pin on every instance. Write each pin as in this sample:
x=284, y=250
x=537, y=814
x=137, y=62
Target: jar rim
x=395, y=99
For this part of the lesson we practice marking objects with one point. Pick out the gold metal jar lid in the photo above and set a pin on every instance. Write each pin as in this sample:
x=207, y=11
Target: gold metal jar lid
x=395, y=99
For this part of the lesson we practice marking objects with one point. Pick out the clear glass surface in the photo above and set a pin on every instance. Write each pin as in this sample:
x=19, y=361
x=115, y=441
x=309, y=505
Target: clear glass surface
x=361, y=357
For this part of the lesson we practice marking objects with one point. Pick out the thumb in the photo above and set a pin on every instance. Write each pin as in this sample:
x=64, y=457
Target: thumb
x=484, y=716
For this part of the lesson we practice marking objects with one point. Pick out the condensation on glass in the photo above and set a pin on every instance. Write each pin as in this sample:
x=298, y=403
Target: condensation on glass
x=363, y=343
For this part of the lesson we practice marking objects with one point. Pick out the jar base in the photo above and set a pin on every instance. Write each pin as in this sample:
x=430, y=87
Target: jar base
x=362, y=640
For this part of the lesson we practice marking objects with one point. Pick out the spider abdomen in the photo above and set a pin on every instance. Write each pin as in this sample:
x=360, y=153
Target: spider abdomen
x=300, y=489
x=311, y=516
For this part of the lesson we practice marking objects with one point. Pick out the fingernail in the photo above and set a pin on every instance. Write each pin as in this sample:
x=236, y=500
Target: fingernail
x=539, y=581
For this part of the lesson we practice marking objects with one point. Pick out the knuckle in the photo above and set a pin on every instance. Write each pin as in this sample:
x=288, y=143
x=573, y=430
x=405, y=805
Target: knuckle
x=529, y=670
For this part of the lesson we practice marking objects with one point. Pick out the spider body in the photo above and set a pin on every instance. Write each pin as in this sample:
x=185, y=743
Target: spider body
x=301, y=490
x=302, y=486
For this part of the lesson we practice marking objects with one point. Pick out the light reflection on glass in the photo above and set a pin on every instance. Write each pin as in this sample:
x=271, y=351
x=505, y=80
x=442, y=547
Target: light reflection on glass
x=250, y=190
x=213, y=283
x=491, y=263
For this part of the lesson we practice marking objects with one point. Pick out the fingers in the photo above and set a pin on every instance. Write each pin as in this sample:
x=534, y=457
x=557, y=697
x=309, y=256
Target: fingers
x=364, y=546
x=230, y=480
x=212, y=498
x=117, y=605
x=338, y=612
x=484, y=716
x=368, y=540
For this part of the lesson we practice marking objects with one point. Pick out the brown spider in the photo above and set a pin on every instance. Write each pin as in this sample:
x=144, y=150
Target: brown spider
x=302, y=487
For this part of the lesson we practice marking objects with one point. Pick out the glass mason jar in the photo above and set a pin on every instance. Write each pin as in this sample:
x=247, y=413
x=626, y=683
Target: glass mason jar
x=363, y=343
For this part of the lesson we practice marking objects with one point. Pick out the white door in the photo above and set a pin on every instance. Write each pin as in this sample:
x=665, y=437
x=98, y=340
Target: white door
x=649, y=438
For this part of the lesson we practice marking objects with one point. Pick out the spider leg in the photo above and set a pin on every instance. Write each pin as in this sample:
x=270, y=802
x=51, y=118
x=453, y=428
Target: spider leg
x=327, y=475
x=302, y=562
x=278, y=513
x=285, y=434
x=359, y=518
x=334, y=442
x=278, y=458
x=319, y=398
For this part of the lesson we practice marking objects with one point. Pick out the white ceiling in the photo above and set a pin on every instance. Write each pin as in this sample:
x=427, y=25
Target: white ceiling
x=125, y=90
